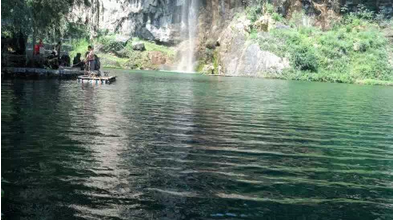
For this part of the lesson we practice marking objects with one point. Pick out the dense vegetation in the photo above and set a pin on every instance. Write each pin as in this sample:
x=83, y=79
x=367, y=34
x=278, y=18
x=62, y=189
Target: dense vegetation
x=120, y=54
x=353, y=50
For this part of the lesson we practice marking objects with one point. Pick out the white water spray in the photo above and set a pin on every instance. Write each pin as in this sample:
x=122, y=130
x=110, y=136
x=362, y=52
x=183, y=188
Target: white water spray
x=188, y=33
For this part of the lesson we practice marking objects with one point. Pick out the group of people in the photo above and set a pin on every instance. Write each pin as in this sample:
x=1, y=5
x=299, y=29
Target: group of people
x=90, y=62
x=54, y=60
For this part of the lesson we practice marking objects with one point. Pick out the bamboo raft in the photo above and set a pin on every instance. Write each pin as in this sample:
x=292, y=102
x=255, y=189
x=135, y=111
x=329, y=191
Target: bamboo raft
x=97, y=80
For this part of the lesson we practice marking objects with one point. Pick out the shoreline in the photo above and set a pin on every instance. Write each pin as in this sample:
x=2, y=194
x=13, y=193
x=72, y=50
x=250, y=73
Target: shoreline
x=21, y=72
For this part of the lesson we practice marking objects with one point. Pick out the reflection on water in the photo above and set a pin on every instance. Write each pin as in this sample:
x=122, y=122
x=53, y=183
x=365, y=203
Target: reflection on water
x=184, y=146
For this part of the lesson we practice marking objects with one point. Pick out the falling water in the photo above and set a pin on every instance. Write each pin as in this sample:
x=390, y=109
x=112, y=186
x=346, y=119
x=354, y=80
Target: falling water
x=188, y=33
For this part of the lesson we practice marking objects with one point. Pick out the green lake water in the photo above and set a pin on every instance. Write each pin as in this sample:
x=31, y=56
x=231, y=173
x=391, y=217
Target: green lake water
x=156, y=145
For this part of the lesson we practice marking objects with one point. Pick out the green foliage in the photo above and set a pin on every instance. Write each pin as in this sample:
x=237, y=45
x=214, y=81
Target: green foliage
x=200, y=66
x=139, y=60
x=45, y=19
x=362, y=12
x=109, y=44
x=111, y=61
x=277, y=17
x=296, y=19
x=253, y=13
x=113, y=46
x=353, y=50
x=15, y=16
x=102, y=33
x=305, y=58
x=216, y=62
x=374, y=82
x=79, y=46
x=76, y=31
x=253, y=34
x=269, y=8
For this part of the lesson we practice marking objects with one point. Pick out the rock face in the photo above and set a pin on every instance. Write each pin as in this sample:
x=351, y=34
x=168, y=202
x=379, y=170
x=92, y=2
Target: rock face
x=240, y=57
x=148, y=19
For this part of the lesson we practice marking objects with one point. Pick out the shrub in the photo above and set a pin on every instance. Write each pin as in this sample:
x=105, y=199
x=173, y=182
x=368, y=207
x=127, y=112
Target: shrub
x=253, y=13
x=109, y=44
x=277, y=17
x=305, y=58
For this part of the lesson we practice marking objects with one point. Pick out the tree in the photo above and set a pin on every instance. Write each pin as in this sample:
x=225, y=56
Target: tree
x=35, y=17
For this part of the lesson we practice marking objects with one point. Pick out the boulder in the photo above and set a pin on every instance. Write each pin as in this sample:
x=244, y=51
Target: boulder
x=281, y=26
x=237, y=56
x=138, y=46
x=122, y=53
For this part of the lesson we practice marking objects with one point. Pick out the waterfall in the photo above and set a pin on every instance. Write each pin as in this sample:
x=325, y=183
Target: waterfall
x=189, y=33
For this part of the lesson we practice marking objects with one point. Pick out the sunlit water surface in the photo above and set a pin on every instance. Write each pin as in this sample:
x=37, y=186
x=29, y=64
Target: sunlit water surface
x=157, y=145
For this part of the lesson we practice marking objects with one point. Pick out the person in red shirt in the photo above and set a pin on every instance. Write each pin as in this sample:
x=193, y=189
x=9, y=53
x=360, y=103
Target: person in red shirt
x=37, y=47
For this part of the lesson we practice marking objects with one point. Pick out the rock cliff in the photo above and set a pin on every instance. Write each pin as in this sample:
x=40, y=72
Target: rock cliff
x=157, y=20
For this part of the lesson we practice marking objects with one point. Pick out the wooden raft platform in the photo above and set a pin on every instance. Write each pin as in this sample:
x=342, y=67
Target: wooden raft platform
x=67, y=73
x=97, y=80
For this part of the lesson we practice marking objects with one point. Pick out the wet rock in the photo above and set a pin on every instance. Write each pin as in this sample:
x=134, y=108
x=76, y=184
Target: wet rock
x=138, y=46
x=211, y=44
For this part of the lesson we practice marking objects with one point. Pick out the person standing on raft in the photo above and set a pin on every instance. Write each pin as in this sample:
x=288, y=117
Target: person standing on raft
x=58, y=47
x=90, y=59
